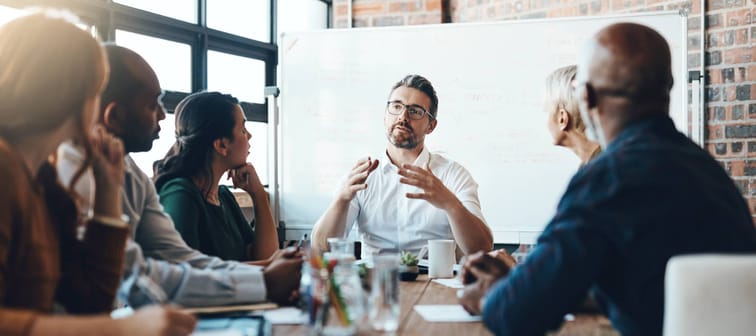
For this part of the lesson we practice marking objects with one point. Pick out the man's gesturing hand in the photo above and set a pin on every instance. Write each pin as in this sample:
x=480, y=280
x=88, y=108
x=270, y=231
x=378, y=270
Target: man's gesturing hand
x=357, y=178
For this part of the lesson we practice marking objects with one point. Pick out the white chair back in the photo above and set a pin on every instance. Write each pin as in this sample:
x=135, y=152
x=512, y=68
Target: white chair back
x=710, y=295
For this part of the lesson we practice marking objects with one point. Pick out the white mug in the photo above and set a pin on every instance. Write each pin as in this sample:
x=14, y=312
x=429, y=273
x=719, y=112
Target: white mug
x=441, y=258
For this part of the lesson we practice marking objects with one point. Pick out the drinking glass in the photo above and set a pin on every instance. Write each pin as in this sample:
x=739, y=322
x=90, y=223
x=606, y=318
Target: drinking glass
x=384, y=294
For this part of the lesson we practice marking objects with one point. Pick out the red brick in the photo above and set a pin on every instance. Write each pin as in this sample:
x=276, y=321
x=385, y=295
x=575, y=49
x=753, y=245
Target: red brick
x=739, y=17
x=433, y=5
x=404, y=6
x=715, y=76
x=563, y=12
x=737, y=167
x=730, y=93
x=696, y=8
x=715, y=132
x=341, y=10
x=751, y=73
x=741, y=36
x=739, y=55
x=368, y=8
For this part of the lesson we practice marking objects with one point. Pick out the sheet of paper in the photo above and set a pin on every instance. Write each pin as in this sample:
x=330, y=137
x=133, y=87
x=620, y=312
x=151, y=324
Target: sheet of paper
x=445, y=313
x=287, y=315
x=451, y=282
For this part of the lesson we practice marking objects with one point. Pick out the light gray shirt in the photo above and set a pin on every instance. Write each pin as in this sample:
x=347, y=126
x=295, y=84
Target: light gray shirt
x=157, y=254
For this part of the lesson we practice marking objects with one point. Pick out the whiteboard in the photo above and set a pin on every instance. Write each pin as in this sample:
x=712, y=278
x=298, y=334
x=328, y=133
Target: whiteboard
x=490, y=80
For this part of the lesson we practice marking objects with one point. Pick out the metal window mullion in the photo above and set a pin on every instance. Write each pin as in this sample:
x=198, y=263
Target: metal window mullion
x=199, y=63
x=273, y=23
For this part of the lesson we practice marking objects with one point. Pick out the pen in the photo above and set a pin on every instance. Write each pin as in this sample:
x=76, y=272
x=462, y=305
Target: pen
x=301, y=241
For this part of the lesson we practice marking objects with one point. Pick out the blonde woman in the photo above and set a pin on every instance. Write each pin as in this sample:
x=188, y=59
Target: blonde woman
x=564, y=122
x=565, y=126
x=51, y=76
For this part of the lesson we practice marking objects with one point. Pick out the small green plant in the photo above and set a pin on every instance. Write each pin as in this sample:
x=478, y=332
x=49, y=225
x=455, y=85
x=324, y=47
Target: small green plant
x=408, y=259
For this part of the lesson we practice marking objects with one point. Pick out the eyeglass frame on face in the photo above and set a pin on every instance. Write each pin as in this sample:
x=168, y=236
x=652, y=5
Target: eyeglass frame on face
x=412, y=110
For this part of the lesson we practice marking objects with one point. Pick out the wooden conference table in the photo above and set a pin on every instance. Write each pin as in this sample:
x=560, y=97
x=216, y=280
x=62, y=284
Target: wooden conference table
x=424, y=291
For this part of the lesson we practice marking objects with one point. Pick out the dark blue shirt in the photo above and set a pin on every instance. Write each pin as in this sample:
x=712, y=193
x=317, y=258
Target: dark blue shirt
x=652, y=194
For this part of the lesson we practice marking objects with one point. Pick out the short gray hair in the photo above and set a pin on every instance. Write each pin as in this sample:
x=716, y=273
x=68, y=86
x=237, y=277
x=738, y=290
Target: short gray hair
x=422, y=84
x=560, y=93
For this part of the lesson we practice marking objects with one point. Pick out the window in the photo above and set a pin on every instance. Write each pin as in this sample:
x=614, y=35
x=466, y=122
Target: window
x=244, y=78
x=189, y=57
x=185, y=10
x=239, y=76
x=170, y=60
x=248, y=18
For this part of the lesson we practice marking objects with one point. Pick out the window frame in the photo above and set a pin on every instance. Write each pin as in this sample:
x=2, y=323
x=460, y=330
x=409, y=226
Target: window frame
x=107, y=16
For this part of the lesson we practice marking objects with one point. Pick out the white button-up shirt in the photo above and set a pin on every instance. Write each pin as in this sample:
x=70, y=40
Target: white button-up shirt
x=389, y=221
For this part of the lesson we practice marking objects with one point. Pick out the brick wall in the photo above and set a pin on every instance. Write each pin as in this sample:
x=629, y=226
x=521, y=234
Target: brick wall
x=387, y=13
x=730, y=58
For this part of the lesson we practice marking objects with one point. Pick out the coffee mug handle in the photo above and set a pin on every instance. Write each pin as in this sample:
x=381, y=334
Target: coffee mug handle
x=423, y=254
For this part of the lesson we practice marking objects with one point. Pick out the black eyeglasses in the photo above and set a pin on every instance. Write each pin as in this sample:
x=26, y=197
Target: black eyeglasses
x=415, y=112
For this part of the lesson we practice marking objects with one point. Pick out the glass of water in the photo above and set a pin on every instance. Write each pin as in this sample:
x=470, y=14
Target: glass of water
x=384, y=295
x=341, y=249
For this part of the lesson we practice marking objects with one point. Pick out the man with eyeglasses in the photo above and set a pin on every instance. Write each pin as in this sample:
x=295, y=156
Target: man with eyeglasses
x=411, y=195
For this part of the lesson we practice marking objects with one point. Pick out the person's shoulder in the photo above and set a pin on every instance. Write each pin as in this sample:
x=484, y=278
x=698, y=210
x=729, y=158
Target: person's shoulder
x=225, y=191
x=178, y=184
x=440, y=161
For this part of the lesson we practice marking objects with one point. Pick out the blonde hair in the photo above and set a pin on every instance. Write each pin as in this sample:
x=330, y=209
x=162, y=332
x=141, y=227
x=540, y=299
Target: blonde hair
x=49, y=68
x=559, y=93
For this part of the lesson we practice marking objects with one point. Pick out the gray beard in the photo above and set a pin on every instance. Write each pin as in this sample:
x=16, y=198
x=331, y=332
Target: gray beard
x=408, y=143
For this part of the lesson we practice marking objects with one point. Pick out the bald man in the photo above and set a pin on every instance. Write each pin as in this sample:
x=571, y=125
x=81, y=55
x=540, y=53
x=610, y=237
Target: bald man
x=159, y=265
x=652, y=194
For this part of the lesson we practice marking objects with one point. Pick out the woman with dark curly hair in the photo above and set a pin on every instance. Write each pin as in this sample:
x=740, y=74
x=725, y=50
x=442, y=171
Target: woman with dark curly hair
x=211, y=140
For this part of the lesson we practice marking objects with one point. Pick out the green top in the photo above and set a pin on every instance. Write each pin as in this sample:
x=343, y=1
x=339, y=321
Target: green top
x=220, y=231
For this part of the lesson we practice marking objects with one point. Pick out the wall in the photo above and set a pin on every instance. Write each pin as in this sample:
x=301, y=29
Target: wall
x=730, y=58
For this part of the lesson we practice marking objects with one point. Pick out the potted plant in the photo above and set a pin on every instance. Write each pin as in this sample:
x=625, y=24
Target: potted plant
x=408, y=269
